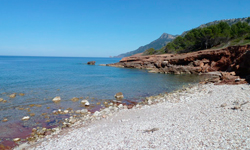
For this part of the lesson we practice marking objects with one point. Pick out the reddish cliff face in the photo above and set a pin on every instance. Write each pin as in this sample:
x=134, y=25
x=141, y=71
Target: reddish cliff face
x=235, y=58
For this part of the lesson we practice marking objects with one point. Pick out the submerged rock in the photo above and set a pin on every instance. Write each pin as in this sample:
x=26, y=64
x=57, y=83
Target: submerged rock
x=74, y=99
x=119, y=95
x=13, y=95
x=5, y=120
x=57, y=99
x=85, y=102
x=21, y=94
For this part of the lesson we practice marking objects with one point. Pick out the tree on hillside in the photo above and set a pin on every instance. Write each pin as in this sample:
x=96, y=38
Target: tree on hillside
x=149, y=51
x=207, y=37
x=239, y=29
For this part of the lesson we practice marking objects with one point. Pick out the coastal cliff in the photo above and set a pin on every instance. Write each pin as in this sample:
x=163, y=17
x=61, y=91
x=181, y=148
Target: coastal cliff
x=231, y=59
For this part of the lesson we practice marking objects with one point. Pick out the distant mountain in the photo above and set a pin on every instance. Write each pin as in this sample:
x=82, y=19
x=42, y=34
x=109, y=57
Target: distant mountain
x=228, y=21
x=156, y=44
x=166, y=38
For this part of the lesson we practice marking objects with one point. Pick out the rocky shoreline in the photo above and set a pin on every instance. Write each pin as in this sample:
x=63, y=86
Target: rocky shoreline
x=225, y=66
x=234, y=60
x=204, y=104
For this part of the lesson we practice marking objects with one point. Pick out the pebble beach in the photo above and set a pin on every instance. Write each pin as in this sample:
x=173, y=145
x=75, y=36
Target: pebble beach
x=200, y=117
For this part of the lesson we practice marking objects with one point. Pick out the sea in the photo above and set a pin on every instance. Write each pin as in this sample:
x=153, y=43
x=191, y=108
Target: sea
x=41, y=79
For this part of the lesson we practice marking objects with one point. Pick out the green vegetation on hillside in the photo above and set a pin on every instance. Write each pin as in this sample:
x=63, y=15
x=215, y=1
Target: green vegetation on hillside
x=149, y=51
x=156, y=44
x=209, y=37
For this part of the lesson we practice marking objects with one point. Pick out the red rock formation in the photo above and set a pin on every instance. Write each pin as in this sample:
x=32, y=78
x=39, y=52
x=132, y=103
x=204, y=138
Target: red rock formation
x=234, y=58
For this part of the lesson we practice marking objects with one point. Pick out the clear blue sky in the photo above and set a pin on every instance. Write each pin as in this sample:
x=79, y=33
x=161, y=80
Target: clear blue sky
x=102, y=28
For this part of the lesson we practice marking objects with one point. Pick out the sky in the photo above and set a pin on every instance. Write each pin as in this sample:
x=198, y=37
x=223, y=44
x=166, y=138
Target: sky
x=102, y=28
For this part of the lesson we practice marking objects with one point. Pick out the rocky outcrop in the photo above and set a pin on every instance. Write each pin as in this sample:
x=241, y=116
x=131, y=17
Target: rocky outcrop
x=91, y=63
x=235, y=58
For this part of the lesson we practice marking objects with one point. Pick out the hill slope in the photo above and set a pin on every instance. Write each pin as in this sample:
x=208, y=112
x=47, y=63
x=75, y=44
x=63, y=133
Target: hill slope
x=165, y=38
x=228, y=21
x=217, y=34
x=156, y=44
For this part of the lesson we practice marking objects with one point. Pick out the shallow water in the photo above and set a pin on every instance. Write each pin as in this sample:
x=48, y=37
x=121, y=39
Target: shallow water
x=43, y=78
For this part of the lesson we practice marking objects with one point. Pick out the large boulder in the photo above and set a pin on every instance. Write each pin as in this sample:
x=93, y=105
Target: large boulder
x=91, y=63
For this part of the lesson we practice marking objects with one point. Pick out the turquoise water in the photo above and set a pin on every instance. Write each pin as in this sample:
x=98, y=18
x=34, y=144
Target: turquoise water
x=43, y=78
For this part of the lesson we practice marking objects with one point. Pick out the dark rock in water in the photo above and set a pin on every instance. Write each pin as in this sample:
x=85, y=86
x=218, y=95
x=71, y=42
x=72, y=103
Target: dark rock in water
x=91, y=63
